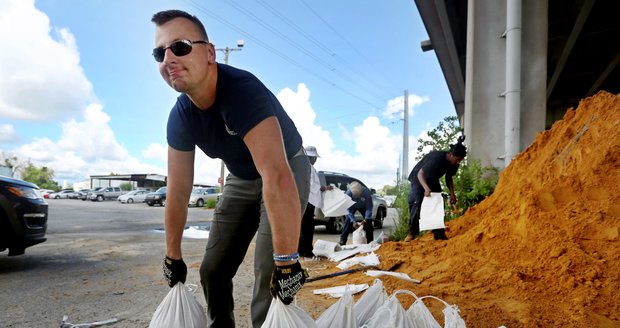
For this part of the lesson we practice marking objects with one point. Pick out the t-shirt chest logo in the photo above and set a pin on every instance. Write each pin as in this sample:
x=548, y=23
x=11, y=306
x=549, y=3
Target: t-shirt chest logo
x=231, y=132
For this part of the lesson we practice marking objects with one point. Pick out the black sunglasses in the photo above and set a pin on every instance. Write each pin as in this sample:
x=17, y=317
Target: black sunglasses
x=179, y=48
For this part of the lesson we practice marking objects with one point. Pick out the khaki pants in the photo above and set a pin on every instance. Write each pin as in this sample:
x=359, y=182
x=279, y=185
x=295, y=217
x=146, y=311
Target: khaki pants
x=240, y=214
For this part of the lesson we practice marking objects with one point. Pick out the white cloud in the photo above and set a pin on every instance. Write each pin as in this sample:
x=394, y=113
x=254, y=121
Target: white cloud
x=156, y=151
x=41, y=75
x=377, y=149
x=8, y=134
x=394, y=108
x=206, y=170
x=298, y=107
x=84, y=148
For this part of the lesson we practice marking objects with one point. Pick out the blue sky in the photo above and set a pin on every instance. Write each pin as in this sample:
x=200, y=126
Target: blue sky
x=81, y=94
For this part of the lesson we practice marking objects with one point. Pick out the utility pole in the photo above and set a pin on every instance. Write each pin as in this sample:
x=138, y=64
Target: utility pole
x=405, y=167
x=226, y=51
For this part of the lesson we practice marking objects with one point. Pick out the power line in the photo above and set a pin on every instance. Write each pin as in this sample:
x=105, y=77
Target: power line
x=277, y=52
x=323, y=47
x=338, y=34
x=297, y=45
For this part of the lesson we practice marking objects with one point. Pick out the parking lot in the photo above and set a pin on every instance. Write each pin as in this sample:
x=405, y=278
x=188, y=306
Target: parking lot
x=102, y=261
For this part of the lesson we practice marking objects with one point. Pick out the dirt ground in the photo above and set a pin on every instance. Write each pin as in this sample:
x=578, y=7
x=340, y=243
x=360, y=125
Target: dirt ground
x=542, y=251
x=93, y=277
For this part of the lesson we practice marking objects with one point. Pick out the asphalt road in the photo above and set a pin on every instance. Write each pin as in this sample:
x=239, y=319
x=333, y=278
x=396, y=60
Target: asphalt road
x=102, y=261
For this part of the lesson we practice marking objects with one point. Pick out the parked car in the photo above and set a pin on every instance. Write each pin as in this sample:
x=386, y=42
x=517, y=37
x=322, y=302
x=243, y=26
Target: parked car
x=134, y=196
x=46, y=192
x=105, y=193
x=390, y=199
x=61, y=194
x=77, y=194
x=200, y=196
x=23, y=215
x=342, y=181
x=156, y=197
x=86, y=195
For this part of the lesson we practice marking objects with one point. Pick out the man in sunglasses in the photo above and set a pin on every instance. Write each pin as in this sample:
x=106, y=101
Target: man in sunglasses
x=229, y=114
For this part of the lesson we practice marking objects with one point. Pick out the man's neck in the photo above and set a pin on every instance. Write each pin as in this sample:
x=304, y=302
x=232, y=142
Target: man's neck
x=204, y=96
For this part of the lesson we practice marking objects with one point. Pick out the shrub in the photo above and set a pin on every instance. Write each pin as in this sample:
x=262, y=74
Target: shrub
x=126, y=186
x=402, y=206
x=211, y=203
x=472, y=184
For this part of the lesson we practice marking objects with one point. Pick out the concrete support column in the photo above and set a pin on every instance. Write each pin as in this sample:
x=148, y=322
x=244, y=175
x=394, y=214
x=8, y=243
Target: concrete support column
x=486, y=77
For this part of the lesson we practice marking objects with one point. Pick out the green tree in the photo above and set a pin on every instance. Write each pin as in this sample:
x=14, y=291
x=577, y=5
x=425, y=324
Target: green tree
x=390, y=190
x=440, y=137
x=126, y=186
x=42, y=177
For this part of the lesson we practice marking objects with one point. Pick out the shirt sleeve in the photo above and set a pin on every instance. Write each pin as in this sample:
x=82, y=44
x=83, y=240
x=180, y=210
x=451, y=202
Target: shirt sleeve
x=452, y=170
x=178, y=129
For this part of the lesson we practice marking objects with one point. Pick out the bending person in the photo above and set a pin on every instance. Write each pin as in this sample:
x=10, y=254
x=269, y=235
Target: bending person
x=424, y=179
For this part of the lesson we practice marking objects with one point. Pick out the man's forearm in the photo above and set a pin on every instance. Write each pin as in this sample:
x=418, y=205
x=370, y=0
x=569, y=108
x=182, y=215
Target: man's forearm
x=422, y=180
x=180, y=178
x=450, y=184
x=174, y=224
x=284, y=212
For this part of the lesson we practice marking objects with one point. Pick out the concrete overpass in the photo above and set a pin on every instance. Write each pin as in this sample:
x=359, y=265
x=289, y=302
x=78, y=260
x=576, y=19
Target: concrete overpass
x=513, y=67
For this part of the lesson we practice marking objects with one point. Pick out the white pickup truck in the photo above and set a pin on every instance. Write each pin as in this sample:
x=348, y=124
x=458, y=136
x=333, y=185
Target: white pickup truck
x=105, y=193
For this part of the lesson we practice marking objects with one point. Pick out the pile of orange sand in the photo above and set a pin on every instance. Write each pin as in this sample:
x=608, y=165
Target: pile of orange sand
x=542, y=251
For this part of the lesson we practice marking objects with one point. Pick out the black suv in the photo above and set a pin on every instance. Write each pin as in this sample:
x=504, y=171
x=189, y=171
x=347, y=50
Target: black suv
x=23, y=215
x=342, y=181
x=156, y=197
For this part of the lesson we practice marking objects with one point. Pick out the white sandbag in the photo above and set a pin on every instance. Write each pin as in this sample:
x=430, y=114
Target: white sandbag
x=398, y=318
x=339, y=291
x=286, y=316
x=452, y=318
x=369, y=302
x=369, y=260
x=432, y=212
x=347, y=251
x=179, y=309
x=422, y=317
x=340, y=314
x=399, y=275
x=336, y=203
x=325, y=248
x=359, y=236
x=382, y=318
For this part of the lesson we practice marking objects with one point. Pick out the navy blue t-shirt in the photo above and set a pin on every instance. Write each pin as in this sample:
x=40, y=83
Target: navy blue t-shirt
x=241, y=102
x=435, y=165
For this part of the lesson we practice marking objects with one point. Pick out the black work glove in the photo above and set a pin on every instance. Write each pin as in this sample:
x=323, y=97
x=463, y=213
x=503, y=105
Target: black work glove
x=174, y=271
x=286, y=281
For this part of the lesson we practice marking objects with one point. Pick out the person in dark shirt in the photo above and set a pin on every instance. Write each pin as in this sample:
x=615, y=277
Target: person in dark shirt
x=363, y=203
x=315, y=200
x=229, y=114
x=424, y=179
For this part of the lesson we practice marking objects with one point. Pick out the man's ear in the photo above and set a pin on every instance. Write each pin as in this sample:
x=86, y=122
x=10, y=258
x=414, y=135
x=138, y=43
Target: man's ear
x=211, y=51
